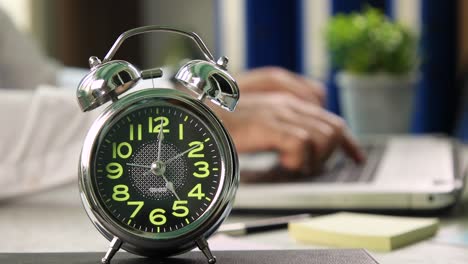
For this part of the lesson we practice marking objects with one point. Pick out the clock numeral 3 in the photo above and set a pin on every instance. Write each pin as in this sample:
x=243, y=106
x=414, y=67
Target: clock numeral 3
x=203, y=169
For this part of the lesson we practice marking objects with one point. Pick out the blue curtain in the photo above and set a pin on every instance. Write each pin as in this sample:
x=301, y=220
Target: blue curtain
x=274, y=34
x=436, y=99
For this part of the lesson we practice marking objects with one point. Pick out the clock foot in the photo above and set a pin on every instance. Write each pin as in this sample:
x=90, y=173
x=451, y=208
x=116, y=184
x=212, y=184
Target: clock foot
x=113, y=248
x=203, y=246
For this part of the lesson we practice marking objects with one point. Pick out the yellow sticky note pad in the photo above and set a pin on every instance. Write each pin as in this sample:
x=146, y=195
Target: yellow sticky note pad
x=355, y=230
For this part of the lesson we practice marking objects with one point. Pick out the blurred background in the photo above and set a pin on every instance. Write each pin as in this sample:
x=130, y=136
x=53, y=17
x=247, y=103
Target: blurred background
x=425, y=92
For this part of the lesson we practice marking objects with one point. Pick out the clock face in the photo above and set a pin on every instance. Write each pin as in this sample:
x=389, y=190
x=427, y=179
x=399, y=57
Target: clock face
x=158, y=170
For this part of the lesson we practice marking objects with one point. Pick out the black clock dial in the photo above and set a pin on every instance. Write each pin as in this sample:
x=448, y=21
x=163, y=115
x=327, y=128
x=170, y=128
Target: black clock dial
x=157, y=169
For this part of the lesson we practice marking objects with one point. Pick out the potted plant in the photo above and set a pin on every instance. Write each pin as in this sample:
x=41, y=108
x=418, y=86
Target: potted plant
x=376, y=59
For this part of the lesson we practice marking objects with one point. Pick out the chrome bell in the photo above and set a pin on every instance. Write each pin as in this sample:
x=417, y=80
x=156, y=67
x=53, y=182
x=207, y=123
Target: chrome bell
x=108, y=80
x=111, y=78
x=207, y=79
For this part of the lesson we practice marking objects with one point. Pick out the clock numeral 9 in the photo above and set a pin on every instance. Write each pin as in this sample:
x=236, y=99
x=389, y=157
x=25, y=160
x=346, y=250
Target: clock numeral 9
x=194, y=152
x=120, y=193
x=181, y=208
x=203, y=169
x=197, y=192
x=122, y=150
x=114, y=170
x=157, y=127
x=157, y=217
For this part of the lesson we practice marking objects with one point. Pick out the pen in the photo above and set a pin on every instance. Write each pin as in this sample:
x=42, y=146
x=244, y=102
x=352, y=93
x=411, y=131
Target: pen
x=240, y=229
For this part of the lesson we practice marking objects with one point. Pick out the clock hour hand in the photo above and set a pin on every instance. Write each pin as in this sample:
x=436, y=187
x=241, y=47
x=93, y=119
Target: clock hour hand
x=170, y=187
x=157, y=169
x=181, y=154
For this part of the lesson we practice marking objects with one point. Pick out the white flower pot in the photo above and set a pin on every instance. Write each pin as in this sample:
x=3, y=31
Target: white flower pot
x=376, y=104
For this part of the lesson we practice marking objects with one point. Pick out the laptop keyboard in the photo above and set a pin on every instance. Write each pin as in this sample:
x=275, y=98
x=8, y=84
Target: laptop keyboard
x=340, y=168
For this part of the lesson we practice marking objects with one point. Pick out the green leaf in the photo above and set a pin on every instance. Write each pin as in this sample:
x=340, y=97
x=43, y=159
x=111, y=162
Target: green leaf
x=369, y=42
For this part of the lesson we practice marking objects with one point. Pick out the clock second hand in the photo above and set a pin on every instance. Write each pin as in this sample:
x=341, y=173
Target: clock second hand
x=181, y=154
x=138, y=165
x=167, y=161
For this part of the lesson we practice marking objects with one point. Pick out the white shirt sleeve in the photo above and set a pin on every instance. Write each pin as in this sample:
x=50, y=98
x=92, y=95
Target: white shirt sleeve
x=41, y=137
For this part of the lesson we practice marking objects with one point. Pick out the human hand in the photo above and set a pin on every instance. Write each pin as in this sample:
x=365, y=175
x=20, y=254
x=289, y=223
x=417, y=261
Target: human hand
x=288, y=120
x=276, y=79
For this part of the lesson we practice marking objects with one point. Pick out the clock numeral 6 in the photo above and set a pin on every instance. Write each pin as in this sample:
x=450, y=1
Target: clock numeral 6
x=203, y=169
x=157, y=216
x=155, y=128
x=120, y=193
x=122, y=150
x=181, y=208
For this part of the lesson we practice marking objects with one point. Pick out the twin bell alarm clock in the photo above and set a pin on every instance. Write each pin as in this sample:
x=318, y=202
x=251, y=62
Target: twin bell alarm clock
x=158, y=171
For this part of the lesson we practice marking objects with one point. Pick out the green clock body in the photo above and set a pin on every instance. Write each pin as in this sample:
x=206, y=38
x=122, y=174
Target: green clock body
x=127, y=198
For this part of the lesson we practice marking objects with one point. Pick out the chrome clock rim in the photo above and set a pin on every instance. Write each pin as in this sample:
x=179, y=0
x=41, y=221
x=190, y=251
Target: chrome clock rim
x=207, y=224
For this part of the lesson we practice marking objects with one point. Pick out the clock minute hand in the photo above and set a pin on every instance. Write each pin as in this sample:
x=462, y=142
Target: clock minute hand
x=181, y=154
x=160, y=139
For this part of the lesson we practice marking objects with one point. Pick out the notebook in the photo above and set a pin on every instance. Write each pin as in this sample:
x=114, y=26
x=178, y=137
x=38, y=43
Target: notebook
x=373, y=232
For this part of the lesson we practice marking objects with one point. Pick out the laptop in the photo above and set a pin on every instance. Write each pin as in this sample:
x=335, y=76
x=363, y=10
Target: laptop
x=402, y=173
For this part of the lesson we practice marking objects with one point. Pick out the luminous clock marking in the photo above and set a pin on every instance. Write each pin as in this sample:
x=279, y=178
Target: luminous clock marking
x=127, y=153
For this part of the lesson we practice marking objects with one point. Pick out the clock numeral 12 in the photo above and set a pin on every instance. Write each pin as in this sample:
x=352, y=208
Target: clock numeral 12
x=155, y=128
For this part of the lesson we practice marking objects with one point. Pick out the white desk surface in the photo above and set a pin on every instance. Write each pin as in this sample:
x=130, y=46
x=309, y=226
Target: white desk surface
x=56, y=222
